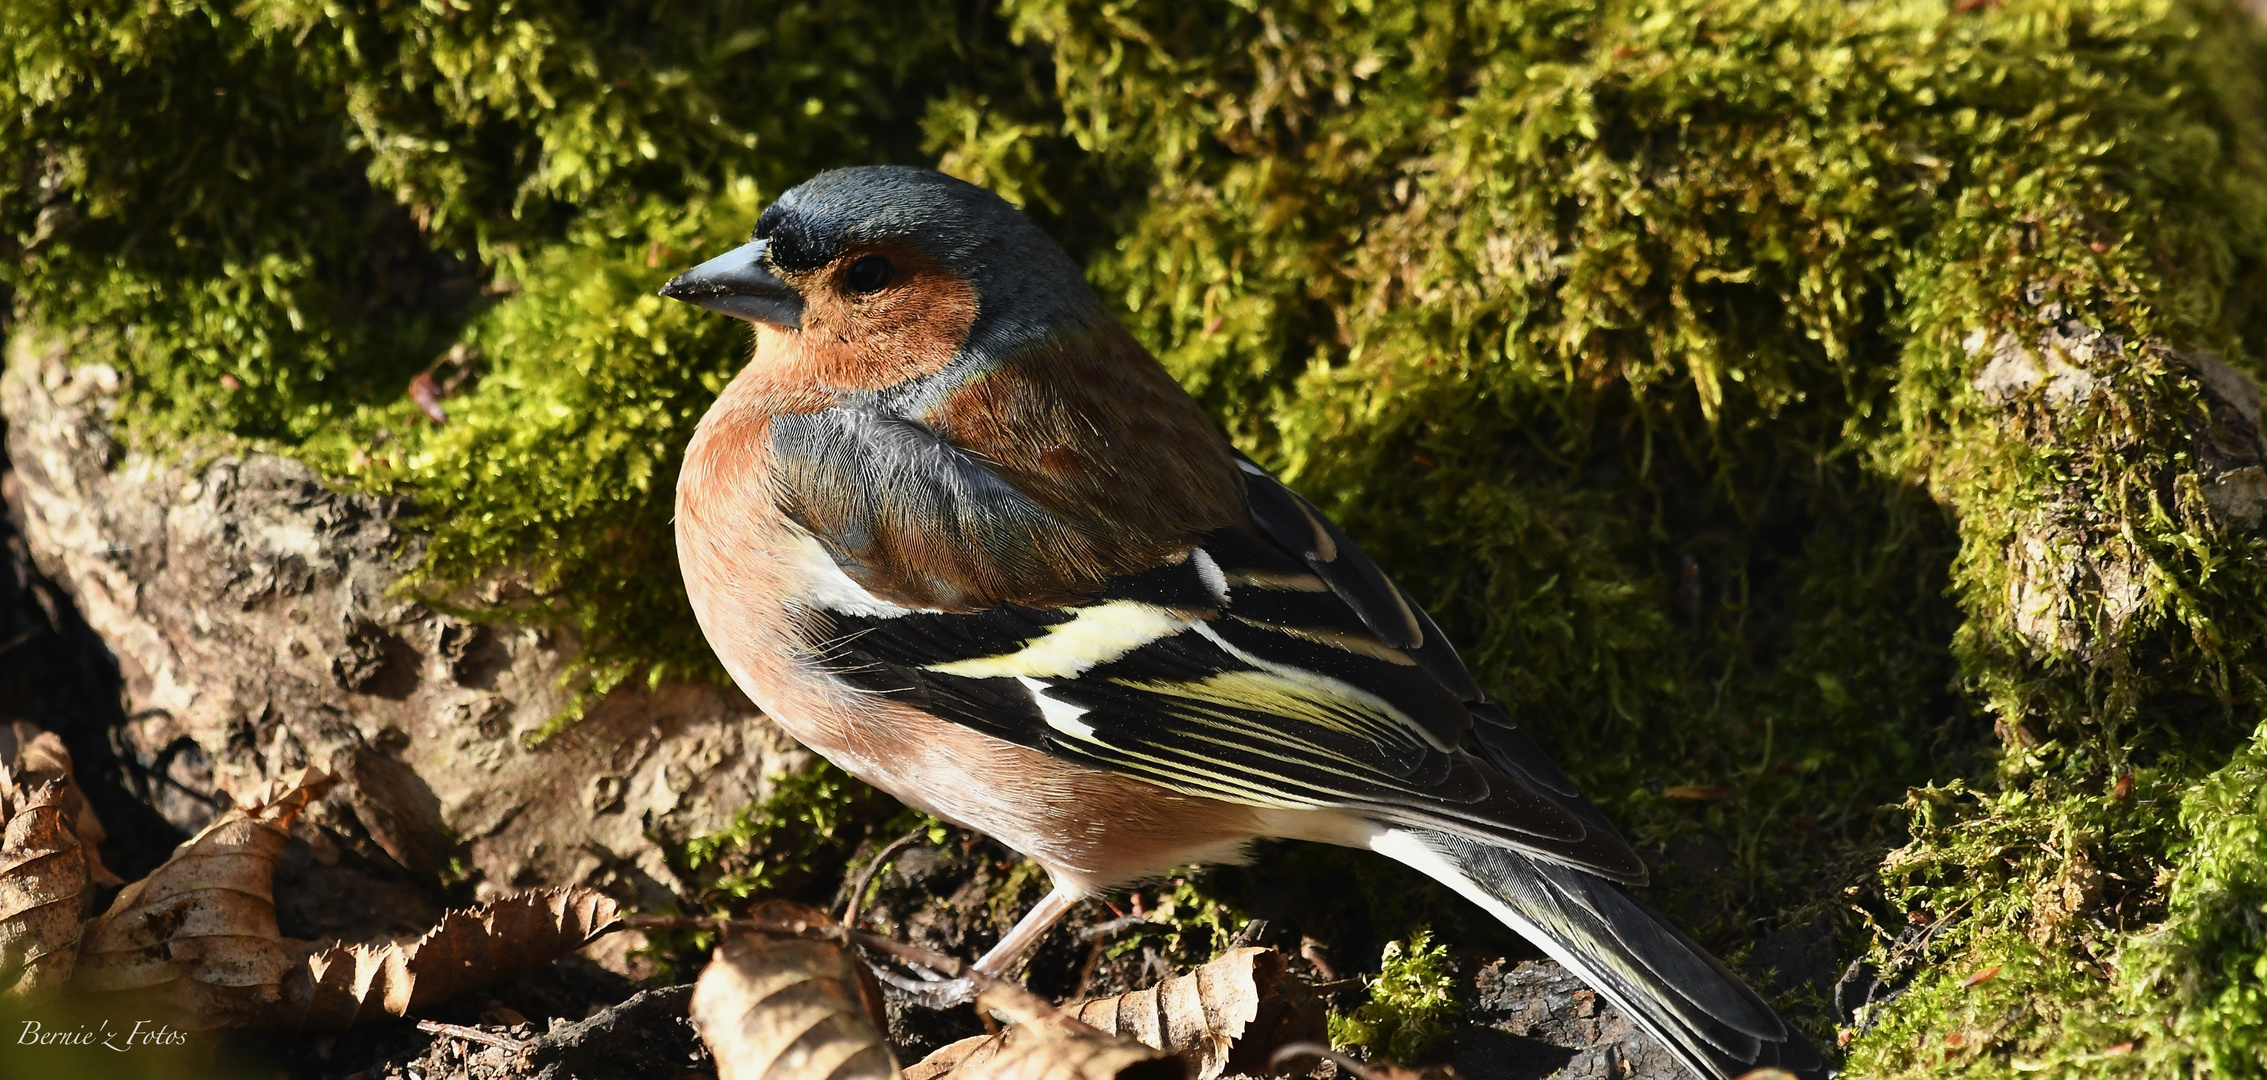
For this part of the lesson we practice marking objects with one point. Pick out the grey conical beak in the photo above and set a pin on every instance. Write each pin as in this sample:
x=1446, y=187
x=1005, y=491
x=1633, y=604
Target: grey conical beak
x=737, y=283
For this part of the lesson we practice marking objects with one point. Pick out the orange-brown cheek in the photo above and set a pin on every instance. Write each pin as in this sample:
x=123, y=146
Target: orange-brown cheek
x=908, y=330
x=782, y=376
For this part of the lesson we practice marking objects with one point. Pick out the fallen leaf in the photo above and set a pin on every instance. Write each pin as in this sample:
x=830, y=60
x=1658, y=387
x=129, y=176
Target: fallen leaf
x=1983, y=976
x=1698, y=792
x=344, y=985
x=427, y=394
x=1208, y=1015
x=1386, y=1070
x=43, y=884
x=39, y=755
x=1057, y=1048
x=1229, y=1016
x=788, y=1009
x=198, y=936
x=1390, y=1071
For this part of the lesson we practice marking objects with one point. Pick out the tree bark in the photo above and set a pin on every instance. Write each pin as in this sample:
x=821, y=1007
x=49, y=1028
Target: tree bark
x=256, y=627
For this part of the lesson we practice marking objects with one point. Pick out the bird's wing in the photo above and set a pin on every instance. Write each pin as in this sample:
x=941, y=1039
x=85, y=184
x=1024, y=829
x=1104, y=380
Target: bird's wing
x=917, y=520
x=1272, y=665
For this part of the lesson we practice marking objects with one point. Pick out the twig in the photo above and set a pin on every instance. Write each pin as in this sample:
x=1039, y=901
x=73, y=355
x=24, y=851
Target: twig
x=873, y=870
x=1098, y=935
x=471, y=1034
x=1086, y=970
x=1317, y=1050
x=1311, y=950
x=1099, y=931
x=1007, y=995
x=19, y=639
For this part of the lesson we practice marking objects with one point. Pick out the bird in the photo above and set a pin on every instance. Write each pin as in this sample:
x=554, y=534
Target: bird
x=956, y=530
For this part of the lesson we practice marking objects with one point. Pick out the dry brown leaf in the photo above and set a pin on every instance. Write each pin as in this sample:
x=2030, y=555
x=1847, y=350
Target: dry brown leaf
x=1388, y=1071
x=1984, y=975
x=344, y=985
x=198, y=936
x=39, y=755
x=1227, y=1016
x=43, y=885
x=1376, y=1070
x=788, y=1009
x=1058, y=1048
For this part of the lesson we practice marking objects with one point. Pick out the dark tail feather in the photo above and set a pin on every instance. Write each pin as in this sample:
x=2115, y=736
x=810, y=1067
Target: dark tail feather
x=1703, y=1013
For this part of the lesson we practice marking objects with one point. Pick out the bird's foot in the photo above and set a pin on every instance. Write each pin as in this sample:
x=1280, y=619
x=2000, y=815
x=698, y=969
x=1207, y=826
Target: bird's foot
x=931, y=994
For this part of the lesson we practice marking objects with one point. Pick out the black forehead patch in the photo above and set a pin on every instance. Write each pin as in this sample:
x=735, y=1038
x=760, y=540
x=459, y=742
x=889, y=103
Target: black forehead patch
x=800, y=241
x=796, y=244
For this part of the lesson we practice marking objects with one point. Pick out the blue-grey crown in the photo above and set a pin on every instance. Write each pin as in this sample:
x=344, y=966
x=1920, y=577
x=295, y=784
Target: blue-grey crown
x=1025, y=285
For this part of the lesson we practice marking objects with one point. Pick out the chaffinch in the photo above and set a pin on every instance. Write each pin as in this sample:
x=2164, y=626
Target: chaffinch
x=957, y=531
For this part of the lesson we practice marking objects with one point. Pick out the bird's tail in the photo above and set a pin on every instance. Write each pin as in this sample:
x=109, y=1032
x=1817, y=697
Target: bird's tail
x=1703, y=1013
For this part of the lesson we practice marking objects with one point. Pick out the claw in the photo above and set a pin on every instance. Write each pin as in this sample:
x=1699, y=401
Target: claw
x=1000, y=962
x=937, y=994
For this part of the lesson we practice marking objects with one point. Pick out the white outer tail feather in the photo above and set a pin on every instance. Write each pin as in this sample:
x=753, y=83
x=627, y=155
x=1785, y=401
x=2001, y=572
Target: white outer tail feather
x=1434, y=854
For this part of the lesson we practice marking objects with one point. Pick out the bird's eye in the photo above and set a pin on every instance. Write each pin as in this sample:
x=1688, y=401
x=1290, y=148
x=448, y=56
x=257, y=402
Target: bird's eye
x=867, y=274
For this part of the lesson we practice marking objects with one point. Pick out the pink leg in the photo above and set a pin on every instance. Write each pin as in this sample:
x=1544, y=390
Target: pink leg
x=1008, y=955
x=1001, y=962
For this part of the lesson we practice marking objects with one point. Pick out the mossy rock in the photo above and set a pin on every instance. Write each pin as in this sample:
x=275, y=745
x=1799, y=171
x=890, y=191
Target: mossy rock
x=1826, y=426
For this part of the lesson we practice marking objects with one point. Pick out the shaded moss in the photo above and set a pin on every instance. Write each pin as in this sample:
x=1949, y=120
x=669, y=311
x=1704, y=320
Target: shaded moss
x=1638, y=339
x=1186, y=924
x=1695, y=361
x=272, y=216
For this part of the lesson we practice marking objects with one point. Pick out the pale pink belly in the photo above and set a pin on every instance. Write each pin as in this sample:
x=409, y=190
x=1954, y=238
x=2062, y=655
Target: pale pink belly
x=1090, y=829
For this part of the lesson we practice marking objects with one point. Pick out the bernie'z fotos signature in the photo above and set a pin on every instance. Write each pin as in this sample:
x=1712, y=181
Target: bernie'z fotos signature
x=145, y=1033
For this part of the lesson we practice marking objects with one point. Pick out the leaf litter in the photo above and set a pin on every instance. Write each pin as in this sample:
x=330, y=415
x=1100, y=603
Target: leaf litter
x=787, y=995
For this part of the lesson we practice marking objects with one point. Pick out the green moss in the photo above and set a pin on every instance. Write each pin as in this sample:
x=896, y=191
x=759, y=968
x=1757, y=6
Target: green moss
x=590, y=385
x=1186, y=922
x=2201, y=975
x=271, y=216
x=795, y=844
x=780, y=843
x=1412, y=1003
x=1640, y=352
x=1635, y=337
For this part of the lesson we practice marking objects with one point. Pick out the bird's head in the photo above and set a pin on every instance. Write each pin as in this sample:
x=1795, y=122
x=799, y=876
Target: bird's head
x=889, y=273
x=906, y=321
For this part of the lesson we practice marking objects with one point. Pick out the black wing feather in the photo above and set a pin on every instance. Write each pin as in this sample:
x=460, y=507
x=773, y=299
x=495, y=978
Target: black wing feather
x=1294, y=523
x=1274, y=665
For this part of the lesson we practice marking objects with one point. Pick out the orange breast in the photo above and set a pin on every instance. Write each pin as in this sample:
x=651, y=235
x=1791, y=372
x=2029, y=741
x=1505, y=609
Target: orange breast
x=748, y=571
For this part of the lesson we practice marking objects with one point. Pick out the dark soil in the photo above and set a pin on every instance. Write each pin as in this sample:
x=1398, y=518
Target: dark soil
x=623, y=1031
